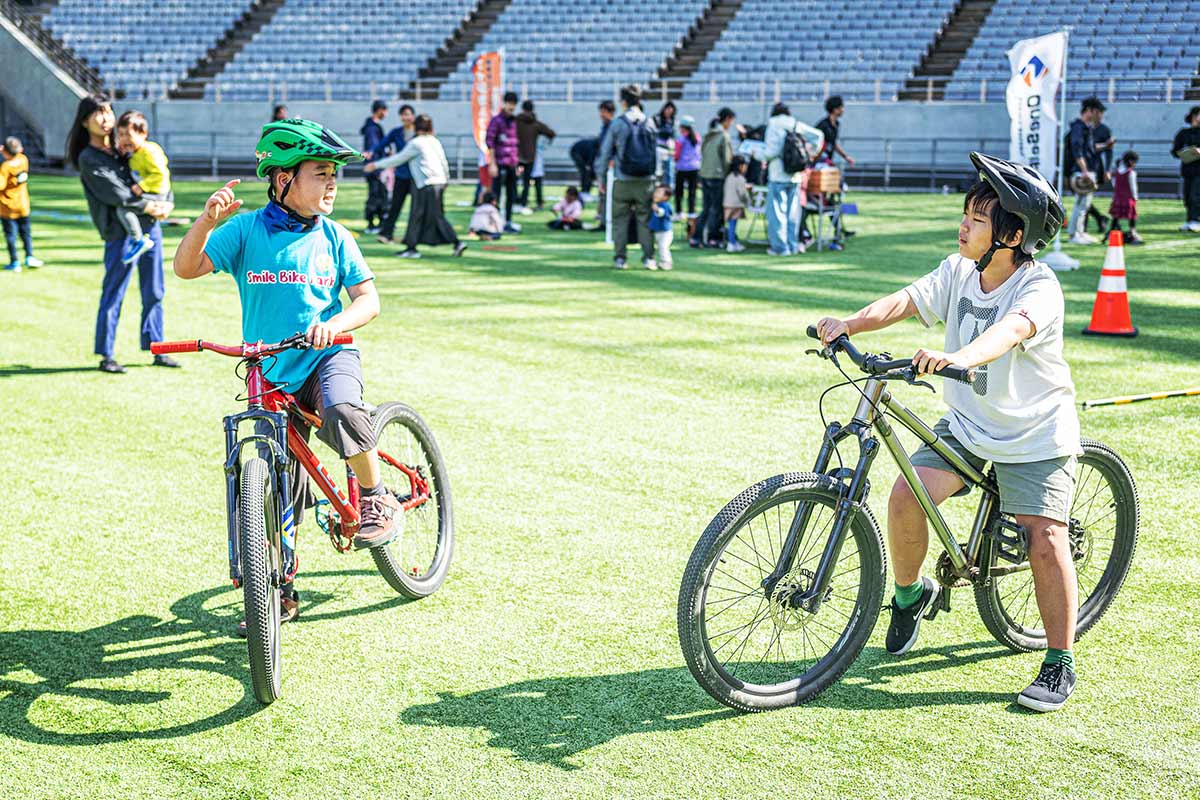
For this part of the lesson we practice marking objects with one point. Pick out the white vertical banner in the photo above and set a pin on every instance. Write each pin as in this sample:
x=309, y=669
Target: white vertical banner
x=1037, y=72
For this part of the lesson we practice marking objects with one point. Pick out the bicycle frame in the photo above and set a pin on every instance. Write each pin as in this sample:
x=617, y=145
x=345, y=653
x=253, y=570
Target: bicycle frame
x=871, y=414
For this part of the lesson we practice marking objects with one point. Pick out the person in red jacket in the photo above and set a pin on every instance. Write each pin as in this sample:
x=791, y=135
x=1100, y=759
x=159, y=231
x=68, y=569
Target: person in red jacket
x=502, y=157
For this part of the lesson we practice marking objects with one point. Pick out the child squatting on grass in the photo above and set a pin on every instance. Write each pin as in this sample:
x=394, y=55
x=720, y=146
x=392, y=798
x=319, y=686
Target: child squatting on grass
x=1003, y=313
x=293, y=233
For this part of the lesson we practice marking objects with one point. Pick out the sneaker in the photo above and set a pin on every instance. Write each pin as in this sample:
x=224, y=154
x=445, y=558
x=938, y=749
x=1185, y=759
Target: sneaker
x=166, y=361
x=136, y=248
x=665, y=266
x=734, y=247
x=371, y=230
x=800, y=248
x=459, y=249
x=14, y=266
x=384, y=239
x=524, y=211
x=289, y=610
x=906, y=622
x=33, y=262
x=382, y=520
x=409, y=254
x=111, y=366
x=586, y=197
x=512, y=227
x=694, y=243
x=649, y=263
x=618, y=263
x=1083, y=238
x=777, y=255
x=1102, y=224
x=1193, y=226
x=1050, y=689
x=1134, y=239
x=835, y=246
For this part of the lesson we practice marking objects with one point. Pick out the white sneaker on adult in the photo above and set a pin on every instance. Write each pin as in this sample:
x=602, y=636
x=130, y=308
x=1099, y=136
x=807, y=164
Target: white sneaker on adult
x=1082, y=238
x=1194, y=226
x=734, y=247
x=649, y=263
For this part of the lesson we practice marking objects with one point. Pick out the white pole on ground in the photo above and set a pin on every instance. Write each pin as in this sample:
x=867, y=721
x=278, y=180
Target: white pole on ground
x=1056, y=259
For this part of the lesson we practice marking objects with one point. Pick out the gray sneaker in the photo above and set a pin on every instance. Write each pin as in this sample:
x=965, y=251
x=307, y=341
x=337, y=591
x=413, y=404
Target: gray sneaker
x=1050, y=690
x=618, y=263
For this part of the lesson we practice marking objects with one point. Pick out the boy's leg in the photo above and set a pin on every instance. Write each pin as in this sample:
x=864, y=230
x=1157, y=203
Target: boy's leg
x=1053, y=578
x=663, y=240
x=908, y=529
x=130, y=222
x=10, y=238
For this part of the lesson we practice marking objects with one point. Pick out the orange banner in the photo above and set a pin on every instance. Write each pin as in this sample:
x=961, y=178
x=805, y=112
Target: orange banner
x=487, y=87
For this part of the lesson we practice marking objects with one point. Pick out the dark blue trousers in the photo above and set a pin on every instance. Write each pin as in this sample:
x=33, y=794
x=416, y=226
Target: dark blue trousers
x=13, y=227
x=112, y=292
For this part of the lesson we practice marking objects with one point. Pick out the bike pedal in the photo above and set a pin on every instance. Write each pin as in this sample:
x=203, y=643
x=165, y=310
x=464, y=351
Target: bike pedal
x=942, y=603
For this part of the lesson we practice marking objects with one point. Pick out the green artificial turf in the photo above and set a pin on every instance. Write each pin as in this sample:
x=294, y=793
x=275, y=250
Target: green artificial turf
x=593, y=422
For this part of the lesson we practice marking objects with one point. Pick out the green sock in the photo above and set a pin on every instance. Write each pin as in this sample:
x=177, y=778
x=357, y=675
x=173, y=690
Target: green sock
x=907, y=595
x=1056, y=656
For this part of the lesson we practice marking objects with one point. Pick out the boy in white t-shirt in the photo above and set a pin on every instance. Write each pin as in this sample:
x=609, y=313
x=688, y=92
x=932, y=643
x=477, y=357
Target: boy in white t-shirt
x=1003, y=313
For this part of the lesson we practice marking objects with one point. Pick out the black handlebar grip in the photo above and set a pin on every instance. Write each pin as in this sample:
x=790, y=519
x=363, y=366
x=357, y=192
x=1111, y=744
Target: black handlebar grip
x=957, y=374
x=812, y=332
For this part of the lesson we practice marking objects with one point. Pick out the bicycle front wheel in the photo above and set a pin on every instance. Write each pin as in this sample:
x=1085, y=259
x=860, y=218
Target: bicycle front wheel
x=258, y=531
x=416, y=562
x=1103, y=530
x=755, y=652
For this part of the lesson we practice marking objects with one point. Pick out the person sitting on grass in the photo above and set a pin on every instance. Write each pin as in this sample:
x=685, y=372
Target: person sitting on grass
x=736, y=198
x=567, y=212
x=1004, y=315
x=14, y=203
x=291, y=263
x=486, y=222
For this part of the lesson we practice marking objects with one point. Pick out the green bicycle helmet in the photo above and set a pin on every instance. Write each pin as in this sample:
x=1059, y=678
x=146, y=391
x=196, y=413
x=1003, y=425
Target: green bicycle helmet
x=288, y=142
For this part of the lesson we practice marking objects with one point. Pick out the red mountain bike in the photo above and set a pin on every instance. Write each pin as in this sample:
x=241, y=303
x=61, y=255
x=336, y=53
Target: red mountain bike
x=262, y=533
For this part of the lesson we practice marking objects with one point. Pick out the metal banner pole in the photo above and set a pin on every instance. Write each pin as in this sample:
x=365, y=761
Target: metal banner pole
x=1057, y=260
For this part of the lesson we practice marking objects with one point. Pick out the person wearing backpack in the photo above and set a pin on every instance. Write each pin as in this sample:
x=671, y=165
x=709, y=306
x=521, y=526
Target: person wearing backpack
x=631, y=148
x=786, y=160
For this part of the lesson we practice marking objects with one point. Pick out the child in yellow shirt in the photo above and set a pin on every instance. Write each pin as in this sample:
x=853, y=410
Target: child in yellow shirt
x=14, y=203
x=149, y=161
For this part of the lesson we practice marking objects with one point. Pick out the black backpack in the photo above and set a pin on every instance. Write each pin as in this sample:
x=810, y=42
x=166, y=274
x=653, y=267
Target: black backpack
x=639, y=157
x=793, y=157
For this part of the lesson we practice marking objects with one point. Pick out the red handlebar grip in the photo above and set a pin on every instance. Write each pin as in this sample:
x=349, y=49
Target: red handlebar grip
x=344, y=338
x=161, y=348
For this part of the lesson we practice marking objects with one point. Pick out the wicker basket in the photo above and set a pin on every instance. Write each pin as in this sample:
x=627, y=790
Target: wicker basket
x=827, y=181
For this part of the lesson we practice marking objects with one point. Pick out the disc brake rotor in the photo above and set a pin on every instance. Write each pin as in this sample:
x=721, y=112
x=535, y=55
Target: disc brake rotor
x=784, y=615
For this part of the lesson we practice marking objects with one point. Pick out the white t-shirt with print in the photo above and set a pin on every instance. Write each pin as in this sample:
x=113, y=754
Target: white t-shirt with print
x=1021, y=407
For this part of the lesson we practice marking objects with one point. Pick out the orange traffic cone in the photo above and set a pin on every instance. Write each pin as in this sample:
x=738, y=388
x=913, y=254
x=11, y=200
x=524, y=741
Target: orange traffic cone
x=1110, y=314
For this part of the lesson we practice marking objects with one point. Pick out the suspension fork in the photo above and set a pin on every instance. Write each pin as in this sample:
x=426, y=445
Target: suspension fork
x=787, y=553
x=273, y=446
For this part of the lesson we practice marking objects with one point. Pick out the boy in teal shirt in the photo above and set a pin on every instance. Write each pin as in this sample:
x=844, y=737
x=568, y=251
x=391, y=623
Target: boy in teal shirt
x=291, y=263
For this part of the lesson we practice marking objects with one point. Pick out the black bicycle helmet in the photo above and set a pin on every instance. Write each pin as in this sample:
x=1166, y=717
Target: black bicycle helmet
x=1023, y=192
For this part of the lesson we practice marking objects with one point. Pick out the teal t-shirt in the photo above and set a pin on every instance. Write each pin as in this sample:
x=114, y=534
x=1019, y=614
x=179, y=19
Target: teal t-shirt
x=287, y=279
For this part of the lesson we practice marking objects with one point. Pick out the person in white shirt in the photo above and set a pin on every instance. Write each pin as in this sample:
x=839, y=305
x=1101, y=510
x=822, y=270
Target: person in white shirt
x=427, y=223
x=1003, y=313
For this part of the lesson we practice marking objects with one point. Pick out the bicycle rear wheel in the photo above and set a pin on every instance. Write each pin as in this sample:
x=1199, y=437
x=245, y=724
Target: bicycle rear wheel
x=755, y=653
x=258, y=531
x=416, y=562
x=1103, y=531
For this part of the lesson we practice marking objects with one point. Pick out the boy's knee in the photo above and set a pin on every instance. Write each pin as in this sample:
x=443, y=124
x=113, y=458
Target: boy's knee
x=902, y=498
x=347, y=428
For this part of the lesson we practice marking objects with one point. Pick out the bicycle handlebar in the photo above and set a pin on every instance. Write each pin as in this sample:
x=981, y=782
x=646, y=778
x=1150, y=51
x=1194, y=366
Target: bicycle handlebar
x=878, y=365
x=244, y=349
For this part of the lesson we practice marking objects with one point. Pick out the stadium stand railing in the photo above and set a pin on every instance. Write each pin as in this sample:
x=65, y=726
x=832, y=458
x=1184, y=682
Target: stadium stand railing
x=55, y=49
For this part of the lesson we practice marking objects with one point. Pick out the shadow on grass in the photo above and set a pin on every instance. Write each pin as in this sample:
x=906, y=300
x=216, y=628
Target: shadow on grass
x=144, y=654
x=551, y=720
x=23, y=370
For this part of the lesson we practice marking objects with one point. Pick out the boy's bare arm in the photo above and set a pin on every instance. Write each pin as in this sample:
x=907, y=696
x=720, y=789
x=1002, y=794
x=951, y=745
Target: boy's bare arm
x=883, y=312
x=190, y=259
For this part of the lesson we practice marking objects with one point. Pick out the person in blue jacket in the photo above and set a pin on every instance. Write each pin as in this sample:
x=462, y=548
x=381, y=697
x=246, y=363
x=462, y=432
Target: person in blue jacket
x=376, y=207
x=402, y=186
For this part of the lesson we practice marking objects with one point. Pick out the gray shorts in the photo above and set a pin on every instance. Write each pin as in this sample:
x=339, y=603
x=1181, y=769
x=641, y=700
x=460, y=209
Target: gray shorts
x=1038, y=488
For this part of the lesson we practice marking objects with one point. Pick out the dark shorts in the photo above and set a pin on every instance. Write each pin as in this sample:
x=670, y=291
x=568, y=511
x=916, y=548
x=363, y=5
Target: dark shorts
x=1038, y=488
x=335, y=390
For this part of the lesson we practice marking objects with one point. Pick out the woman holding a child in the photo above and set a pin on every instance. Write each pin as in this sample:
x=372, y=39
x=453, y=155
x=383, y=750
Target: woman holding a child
x=116, y=204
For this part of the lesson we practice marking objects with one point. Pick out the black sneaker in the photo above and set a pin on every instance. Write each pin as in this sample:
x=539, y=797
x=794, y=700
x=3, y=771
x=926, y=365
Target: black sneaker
x=906, y=622
x=111, y=366
x=1050, y=689
x=459, y=249
x=166, y=361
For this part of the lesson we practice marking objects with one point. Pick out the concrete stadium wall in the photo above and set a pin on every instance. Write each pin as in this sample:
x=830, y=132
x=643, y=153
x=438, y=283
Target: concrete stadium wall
x=192, y=128
x=40, y=93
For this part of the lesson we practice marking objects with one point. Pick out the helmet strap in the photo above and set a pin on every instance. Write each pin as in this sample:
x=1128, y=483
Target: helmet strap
x=987, y=257
x=306, y=222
